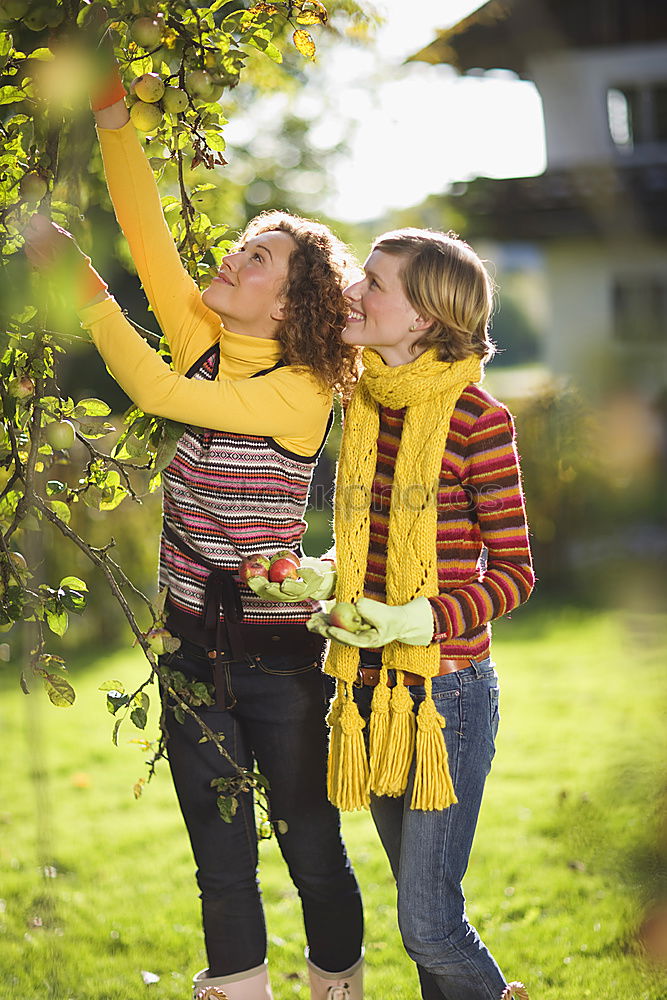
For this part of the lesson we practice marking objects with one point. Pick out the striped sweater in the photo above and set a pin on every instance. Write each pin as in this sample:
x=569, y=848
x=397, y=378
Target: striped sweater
x=484, y=562
x=227, y=496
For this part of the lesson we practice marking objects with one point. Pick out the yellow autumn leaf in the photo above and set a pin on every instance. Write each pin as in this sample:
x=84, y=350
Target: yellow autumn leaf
x=312, y=12
x=304, y=43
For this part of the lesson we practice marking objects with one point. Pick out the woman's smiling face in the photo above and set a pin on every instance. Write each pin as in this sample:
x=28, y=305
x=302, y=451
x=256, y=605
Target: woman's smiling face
x=380, y=314
x=247, y=293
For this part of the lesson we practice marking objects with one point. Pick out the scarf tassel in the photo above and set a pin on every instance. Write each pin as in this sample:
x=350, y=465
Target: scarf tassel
x=347, y=781
x=400, y=744
x=433, y=787
x=379, y=728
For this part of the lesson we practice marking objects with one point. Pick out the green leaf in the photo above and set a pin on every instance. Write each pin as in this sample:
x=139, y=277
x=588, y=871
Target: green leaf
x=9, y=95
x=59, y=690
x=72, y=600
x=92, y=429
x=92, y=408
x=116, y=701
x=57, y=621
x=139, y=717
x=112, y=686
x=74, y=582
x=227, y=807
x=165, y=453
x=114, y=735
x=61, y=509
x=44, y=55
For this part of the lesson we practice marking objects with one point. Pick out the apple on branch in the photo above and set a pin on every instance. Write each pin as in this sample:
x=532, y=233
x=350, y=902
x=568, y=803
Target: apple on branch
x=149, y=87
x=161, y=641
x=21, y=387
x=145, y=117
x=147, y=31
x=60, y=434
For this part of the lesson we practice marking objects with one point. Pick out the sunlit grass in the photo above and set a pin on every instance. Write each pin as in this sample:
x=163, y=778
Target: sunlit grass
x=98, y=887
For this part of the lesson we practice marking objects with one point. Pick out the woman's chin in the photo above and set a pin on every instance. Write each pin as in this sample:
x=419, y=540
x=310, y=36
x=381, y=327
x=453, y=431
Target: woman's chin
x=352, y=335
x=209, y=298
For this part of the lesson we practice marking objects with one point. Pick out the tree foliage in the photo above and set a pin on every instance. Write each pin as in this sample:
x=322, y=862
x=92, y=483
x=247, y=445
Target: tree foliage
x=53, y=448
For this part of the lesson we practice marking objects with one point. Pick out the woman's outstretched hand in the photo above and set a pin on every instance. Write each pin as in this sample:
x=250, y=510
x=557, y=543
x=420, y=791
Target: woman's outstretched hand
x=411, y=623
x=55, y=252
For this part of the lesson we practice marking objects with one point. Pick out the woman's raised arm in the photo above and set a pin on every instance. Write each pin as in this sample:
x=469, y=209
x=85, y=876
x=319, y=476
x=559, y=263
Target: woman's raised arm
x=189, y=326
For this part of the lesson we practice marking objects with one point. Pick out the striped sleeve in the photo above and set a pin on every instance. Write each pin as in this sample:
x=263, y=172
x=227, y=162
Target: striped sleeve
x=493, y=483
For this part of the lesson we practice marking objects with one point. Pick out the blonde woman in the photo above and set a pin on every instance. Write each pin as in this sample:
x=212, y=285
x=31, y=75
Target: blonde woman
x=432, y=544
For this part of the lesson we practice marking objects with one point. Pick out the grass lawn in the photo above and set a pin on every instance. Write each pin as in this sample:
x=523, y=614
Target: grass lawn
x=97, y=887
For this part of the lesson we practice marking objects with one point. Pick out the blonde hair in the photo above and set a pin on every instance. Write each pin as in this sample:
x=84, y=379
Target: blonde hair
x=446, y=282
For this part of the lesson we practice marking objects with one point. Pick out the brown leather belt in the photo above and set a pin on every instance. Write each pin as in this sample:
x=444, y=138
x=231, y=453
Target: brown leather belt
x=370, y=676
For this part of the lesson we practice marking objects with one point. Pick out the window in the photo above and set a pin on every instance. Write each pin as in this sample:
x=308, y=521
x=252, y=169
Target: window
x=640, y=309
x=637, y=115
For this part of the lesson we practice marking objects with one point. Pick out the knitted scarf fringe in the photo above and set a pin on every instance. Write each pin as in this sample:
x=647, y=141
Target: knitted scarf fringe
x=347, y=778
x=433, y=786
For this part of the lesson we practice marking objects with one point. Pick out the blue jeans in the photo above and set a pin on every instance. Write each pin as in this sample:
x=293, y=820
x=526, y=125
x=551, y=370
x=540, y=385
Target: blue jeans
x=428, y=851
x=276, y=718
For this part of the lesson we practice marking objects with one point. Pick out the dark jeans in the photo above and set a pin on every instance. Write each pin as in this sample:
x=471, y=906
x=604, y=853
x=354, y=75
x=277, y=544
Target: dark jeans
x=276, y=718
x=428, y=851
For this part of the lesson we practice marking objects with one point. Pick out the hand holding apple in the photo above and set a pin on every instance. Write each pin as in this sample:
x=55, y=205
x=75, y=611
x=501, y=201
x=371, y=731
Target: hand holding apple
x=315, y=580
x=254, y=567
x=342, y=621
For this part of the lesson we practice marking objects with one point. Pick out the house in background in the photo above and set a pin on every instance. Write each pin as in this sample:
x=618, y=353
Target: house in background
x=599, y=212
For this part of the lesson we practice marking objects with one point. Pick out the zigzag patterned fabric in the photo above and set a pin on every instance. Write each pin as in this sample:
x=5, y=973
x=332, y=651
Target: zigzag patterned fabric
x=220, y=487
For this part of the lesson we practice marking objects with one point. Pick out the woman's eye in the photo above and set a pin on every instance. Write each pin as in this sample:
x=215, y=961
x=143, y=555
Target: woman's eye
x=257, y=256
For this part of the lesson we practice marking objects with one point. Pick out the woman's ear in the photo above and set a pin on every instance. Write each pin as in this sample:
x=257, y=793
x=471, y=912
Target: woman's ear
x=278, y=310
x=421, y=324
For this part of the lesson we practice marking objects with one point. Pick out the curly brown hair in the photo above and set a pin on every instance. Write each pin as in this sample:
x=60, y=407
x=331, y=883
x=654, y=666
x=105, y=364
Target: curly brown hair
x=446, y=282
x=315, y=311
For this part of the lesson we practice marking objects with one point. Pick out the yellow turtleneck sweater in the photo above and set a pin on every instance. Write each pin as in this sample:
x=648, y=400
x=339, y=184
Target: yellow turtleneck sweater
x=287, y=404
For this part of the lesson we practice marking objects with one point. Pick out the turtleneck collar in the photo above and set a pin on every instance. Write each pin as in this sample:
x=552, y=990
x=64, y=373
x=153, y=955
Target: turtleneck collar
x=240, y=354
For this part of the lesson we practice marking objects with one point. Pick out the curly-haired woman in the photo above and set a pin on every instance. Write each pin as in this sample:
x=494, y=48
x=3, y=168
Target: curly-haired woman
x=432, y=545
x=255, y=360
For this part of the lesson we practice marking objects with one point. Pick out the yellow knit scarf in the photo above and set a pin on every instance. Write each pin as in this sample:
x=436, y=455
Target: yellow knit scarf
x=429, y=389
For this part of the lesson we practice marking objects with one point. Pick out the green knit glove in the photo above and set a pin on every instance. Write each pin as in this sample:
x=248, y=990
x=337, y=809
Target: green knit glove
x=411, y=623
x=317, y=582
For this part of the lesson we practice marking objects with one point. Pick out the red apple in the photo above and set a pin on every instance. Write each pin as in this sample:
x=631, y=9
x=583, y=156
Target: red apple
x=255, y=565
x=345, y=615
x=283, y=569
x=21, y=388
x=286, y=554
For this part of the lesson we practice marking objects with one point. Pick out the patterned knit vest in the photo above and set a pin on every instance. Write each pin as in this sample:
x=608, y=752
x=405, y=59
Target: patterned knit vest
x=227, y=496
